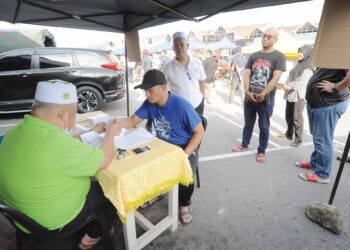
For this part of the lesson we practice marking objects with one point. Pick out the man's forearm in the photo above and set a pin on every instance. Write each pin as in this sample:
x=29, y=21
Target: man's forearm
x=270, y=86
x=246, y=79
x=202, y=87
x=194, y=142
x=107, y=146
x=343, y=83
x=126, y=122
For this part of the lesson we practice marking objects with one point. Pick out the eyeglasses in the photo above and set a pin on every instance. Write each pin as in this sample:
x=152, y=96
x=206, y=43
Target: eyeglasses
x=121, y=154
x=268, y=37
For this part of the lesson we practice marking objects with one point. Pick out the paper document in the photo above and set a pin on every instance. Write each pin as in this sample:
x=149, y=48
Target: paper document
x=94, y=120
x=92, y=138
x=79, y=129
x=133, y=137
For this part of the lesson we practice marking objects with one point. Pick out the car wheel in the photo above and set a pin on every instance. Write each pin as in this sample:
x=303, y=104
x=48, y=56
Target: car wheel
x=89, y=99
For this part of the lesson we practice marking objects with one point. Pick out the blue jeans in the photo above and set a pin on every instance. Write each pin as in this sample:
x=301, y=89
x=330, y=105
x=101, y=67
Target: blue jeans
x=322, y=123
x=264, y=111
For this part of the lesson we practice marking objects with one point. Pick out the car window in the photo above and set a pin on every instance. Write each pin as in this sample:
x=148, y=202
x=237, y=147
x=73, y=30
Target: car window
x=55, y=60
x=19, y=62
x=88, y=59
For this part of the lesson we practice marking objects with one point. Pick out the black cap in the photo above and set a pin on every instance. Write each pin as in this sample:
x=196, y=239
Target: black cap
x=152, y=78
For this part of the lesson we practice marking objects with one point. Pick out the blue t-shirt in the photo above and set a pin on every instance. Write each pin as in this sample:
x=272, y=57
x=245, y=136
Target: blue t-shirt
x=174, y=121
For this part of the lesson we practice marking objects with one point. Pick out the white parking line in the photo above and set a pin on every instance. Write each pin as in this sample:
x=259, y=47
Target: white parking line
x=336, y=150
x=250, y=152
x=7, y=125
x=240, y=126
x=341, y=143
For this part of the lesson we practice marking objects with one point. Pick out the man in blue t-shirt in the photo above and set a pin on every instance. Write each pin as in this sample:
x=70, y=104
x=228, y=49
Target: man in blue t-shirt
x=175, y=121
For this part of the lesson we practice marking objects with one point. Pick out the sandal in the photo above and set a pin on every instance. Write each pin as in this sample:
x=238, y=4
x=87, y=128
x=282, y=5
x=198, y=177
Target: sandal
x=238, y=149
x=260, y=157
x=304, y=164
x=184, y=214
x=87, y=242
x=285, y=136
x=314, y=178
x=296, y=144
x=149, y=204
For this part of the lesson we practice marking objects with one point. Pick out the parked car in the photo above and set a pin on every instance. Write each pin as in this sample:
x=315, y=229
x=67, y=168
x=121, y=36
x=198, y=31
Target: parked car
x=95, y=73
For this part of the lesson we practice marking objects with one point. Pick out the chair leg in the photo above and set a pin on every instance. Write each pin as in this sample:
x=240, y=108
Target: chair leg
x=197, y=177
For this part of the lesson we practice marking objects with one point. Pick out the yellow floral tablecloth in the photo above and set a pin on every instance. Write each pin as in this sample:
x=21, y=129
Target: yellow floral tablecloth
x=130, y=182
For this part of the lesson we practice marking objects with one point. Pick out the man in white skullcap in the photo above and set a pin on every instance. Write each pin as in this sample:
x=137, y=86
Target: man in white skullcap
x=45, y=173
x=185, y=74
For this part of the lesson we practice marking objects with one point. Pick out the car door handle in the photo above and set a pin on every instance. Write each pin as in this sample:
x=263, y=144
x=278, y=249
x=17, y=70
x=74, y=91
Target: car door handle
x=70, y=71
x=24, y=74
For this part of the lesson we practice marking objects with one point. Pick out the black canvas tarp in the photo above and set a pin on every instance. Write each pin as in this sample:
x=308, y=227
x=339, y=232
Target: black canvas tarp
x=119, y=15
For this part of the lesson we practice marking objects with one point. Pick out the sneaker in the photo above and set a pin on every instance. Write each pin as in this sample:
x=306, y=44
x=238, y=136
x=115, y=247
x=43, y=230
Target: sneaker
x=260, y=157
x=239, y=149
x=295, y=144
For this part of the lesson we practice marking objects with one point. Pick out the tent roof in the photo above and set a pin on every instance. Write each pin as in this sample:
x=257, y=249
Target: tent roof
x=222, y=44
x=119, y=15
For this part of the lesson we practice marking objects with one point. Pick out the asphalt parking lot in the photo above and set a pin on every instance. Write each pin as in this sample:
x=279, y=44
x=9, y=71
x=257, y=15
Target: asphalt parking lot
x=242, y=204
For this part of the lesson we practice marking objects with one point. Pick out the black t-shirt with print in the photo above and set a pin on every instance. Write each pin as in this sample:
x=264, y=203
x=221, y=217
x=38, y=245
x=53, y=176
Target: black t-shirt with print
x=262, y=66
x=315, y=98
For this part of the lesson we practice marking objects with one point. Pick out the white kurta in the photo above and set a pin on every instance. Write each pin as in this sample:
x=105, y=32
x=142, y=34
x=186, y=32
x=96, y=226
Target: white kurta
x=185, y=81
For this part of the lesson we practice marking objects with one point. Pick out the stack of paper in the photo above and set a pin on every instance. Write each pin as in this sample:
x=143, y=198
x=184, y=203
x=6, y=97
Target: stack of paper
x=94, y=120
x=132, y=138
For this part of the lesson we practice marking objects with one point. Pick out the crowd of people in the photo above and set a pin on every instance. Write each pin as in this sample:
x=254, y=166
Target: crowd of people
x=56, y=189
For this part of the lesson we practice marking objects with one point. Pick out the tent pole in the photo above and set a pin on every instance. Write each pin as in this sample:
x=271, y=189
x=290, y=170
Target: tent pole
x=126, y=67
x=17, y=11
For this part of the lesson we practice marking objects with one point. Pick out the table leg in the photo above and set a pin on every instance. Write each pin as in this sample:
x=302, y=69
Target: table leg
x=152, y=231
x=130, y=232
x=173, y=207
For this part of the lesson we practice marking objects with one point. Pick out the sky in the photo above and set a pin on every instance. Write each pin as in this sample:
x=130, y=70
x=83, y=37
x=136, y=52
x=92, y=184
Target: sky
x=283, y=15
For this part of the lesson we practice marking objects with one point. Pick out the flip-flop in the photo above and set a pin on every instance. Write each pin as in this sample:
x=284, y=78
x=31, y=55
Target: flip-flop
x=88, y=242
x=149, y=204
x=304, y=164
x=238, y=149
x=313, y=178
x=186, y=213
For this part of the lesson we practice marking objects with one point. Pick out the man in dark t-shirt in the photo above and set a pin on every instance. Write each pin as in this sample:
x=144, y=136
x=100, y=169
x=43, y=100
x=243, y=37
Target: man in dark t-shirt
x=210, y=66
x=327, y=96
x=262, y=72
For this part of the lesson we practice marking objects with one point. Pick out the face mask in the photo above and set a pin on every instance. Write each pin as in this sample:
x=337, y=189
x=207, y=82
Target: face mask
x=67, y=131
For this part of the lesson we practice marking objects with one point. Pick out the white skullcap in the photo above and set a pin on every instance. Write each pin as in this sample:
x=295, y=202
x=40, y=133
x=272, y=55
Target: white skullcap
x=179, y=34
x=56, y=92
